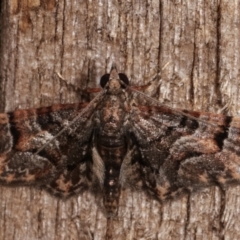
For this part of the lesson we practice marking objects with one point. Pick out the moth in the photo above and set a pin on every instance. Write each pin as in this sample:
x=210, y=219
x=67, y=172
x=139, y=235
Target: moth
x=122, y=138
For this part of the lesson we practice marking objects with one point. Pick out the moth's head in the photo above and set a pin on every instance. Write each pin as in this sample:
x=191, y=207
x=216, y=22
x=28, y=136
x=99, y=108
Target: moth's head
x=114, y=81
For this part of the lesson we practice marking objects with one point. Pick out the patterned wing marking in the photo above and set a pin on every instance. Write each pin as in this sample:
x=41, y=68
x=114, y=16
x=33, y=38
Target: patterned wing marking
x=18, y=167
x=61, y=166
x=221, y=168
x=177, y=145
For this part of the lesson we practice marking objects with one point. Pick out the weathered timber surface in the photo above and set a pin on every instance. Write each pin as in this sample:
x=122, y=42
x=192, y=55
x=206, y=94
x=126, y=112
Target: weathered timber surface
x=80, y=40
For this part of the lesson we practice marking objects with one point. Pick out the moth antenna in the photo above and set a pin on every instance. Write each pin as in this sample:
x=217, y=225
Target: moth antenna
x=68, y=84
x=165, y=66
x=160, y=72
x=225, y=107
x=95, y=100
x=173, y=109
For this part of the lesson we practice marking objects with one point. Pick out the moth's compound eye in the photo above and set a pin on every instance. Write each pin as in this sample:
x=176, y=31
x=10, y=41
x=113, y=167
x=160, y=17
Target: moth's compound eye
x=104, y=80
x=124, y=78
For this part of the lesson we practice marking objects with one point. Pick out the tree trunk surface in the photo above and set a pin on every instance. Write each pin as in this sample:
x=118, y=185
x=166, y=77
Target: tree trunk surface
x=80, y=40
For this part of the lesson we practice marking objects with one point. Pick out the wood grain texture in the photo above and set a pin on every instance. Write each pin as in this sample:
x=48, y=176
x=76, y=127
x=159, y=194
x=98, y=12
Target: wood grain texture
x=80, y=40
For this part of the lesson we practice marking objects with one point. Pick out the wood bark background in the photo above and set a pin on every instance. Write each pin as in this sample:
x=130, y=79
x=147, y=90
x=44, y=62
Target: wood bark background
x=80, y=40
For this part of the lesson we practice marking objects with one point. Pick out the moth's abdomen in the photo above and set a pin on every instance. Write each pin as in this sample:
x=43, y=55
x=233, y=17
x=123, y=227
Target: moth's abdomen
x=112, y=158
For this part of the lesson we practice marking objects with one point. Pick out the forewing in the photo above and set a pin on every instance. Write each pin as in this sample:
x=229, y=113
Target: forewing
x=170, y=139
x=61, y=164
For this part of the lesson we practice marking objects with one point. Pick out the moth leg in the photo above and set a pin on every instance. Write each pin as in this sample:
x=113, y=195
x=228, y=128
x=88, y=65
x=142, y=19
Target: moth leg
x=76, y=88
x=151, y=89
x=93, y=90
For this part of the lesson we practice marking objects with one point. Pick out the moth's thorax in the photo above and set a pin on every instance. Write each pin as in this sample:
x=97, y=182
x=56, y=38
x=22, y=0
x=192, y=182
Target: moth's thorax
x=112, y=116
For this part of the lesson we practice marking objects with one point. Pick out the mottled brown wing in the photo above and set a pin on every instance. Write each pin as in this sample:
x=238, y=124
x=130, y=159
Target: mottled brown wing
x=61, y=165
x=182, y=149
